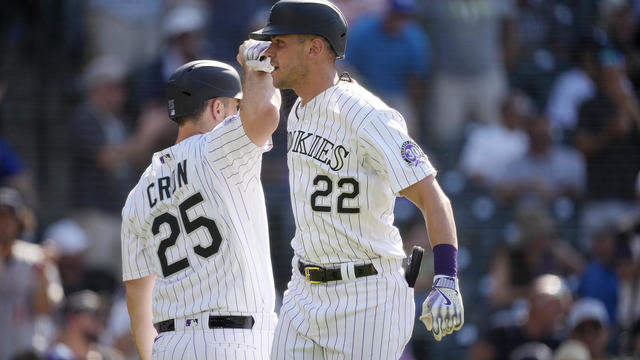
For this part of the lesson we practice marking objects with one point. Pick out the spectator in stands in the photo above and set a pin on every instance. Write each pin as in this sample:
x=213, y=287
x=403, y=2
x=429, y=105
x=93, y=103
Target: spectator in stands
x=627, y=266
x=538, y=251
x=184, y=41
x=118, y=327
x=354, y=10
x=391, y=53
x=124, y=29
x=634, y=341
x=470, y=40
x=13, y=172
x=572, y=350
x=69, y=243
x=608, y=135
x=83, y=323
x=29, y=283
x=599, y=279
x=544, y=30
x=620, y=21
x=574, y=86
x=104, y=153
x=588, y=324
x=549, y=300
x=490, y=147
x=545, y=172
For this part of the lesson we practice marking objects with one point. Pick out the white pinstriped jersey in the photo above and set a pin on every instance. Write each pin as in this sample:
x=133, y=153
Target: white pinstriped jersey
x=197, y=219
x=349, y=156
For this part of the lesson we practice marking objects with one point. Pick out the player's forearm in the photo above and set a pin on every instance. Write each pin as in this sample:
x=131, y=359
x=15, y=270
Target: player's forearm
x=441, y=226
x=436, y=208
x=260, y=107
x=142, y=329
x=139, y=299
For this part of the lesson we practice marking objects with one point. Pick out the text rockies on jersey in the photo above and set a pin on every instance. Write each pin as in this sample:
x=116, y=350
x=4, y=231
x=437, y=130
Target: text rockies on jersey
x=317, y=147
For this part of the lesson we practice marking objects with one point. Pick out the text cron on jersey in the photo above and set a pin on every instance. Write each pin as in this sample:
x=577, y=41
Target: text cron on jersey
x=177, y=179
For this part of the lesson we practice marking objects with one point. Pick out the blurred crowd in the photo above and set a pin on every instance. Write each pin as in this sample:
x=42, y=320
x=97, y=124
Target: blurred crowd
x=528, y=109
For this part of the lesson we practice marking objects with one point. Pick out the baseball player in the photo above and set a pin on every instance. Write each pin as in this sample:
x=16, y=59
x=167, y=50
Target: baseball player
x=195, y=250
x=349, y=156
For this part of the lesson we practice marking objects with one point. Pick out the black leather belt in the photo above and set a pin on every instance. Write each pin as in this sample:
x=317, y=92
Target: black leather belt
x=315, y=274
x=229, y=322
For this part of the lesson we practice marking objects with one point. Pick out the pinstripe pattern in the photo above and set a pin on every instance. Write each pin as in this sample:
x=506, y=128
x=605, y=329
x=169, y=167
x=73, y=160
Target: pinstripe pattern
x=367, y=318
x=348, y=116
x=223, y=166
x=200, y=344
x=346, y=167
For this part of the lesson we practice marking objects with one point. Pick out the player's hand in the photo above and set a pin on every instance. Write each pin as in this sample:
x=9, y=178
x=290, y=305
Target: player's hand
x=251, y=55
x=442, y=311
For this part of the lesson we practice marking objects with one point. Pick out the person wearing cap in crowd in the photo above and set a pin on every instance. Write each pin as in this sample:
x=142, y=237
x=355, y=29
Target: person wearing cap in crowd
x=29, y=283
x=103, y=155
x=69, y=243
x=83, y=323
x=588, y=325
x=184, y=41
x=549, y=299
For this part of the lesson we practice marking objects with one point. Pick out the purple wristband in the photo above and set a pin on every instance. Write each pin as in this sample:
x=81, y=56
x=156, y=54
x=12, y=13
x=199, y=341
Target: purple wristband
x=445, y=260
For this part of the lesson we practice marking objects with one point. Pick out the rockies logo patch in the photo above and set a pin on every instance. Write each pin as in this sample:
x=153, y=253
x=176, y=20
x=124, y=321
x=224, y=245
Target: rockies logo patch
x=411, y=153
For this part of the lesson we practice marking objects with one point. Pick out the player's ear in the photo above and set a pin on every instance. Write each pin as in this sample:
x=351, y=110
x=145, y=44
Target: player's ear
x=217, y=109
x=316, y=47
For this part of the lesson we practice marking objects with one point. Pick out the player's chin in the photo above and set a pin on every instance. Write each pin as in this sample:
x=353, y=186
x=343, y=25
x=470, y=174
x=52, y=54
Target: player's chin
x=277, y=80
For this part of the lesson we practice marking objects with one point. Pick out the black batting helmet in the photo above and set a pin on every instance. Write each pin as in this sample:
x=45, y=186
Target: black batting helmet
x=198, y=81
x=315, y=17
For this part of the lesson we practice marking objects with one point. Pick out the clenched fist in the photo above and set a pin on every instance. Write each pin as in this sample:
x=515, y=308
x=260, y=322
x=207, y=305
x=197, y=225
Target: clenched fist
x=442, y=311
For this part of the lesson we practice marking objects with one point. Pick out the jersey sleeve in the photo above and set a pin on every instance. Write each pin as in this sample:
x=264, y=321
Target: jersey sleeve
x=390, y=151
x=135, y=264
x=231, y=151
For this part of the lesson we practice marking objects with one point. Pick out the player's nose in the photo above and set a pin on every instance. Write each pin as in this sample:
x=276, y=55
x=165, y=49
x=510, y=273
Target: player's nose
x=270, y=51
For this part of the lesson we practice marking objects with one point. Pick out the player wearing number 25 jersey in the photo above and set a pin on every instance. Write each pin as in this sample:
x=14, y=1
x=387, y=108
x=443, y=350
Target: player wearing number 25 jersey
x=195, y=245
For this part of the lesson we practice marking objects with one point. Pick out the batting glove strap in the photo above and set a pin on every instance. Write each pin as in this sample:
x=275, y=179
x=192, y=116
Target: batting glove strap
x=443, y=311
x=445, y=282
x=255, y=58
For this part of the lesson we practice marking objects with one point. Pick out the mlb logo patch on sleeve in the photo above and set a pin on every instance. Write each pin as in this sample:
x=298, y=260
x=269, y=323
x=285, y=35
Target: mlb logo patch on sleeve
x=172, y=108
x=412, y=154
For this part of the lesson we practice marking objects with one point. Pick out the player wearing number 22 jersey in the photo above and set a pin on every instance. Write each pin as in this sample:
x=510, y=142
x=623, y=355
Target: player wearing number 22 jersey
x=196, y=223
x=349, y=157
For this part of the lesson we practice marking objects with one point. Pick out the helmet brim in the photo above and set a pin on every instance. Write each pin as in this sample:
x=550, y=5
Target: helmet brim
x=268, y=31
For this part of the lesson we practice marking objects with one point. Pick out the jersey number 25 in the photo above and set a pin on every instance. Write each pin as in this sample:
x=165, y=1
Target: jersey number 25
x=189, y=226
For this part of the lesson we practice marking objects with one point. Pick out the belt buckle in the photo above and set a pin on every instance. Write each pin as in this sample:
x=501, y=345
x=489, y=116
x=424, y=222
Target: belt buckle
x=307, y=274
